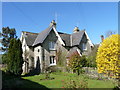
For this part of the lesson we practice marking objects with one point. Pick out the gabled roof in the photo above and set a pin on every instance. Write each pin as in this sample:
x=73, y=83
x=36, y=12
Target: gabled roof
x=73, y=50
x=30, y=37
x=42, y=35
x=66, y=38
x=76, y=37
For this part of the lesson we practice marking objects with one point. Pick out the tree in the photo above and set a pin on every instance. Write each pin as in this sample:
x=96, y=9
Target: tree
x=75, y=62
x=109, y=33
x=108, y=57
x=7, y=34
x=14, y=57
x=61, y=57
x=91, y=58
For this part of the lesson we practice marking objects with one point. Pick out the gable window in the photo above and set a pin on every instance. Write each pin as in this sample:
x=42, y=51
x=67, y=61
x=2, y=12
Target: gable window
x=52, y=60
x=84, y=46
x=52, y=45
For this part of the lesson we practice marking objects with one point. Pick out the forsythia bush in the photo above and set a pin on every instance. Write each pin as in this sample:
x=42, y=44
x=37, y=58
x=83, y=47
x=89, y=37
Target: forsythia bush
x=108, y=56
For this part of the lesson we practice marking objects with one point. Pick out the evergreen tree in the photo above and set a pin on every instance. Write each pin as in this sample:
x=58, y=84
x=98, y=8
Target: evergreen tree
x=7, y=34
x=14, y=57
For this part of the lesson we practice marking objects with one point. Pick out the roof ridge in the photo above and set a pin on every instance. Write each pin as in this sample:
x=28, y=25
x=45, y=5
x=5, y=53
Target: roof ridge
x=29, y=32
x=35, y=42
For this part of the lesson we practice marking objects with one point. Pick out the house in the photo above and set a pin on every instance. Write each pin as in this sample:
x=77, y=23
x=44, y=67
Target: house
x=39, y=49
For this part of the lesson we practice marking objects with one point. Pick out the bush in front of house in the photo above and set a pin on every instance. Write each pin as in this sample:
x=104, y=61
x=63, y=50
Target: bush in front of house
x=108, y=57
x=75, y=83
x=76, y=62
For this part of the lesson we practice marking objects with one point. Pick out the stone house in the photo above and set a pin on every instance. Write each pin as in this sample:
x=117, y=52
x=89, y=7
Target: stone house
x=39, y=49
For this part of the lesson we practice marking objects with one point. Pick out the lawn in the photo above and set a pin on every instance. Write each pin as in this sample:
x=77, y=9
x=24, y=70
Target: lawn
x=59, y=77
x=37, y=82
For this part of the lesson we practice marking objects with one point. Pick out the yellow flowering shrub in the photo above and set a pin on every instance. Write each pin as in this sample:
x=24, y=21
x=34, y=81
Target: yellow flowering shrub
x=108, y=56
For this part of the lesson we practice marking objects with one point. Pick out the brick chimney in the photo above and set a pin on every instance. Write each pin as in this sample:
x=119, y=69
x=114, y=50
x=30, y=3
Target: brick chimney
x=53, y=23
x=76, y=29
x=102, y=38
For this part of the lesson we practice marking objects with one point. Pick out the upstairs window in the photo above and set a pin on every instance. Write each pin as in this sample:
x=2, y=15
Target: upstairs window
x=52, y=45
x=84, y=46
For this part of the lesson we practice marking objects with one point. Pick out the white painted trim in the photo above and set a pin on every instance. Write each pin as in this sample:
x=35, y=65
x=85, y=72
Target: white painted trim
x=59, y=38
x=79, y=52
x=89, y=41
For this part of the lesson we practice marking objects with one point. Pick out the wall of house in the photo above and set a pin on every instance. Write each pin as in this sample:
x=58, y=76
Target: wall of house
x=38, y=57
x=85, y=40
x=47, y=52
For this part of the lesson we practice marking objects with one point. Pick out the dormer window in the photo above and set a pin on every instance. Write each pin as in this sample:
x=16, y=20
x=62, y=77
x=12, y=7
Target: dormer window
x=84, y=46
x=52, y=45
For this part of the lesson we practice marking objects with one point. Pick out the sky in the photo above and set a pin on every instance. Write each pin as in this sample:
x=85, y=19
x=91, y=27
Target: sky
x=97, y=18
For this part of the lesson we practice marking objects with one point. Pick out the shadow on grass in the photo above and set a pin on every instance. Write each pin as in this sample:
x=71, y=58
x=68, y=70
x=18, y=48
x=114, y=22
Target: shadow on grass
x=10, y=82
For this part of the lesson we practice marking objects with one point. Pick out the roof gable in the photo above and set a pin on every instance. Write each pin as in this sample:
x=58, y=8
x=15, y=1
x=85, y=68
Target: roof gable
x=77, y=37
x=42, y=35
x=66, y=38
x=29, y=37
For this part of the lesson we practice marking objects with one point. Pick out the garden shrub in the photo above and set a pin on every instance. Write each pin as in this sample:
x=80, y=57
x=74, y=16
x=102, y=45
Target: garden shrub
x=75, y=83
x=108, y=57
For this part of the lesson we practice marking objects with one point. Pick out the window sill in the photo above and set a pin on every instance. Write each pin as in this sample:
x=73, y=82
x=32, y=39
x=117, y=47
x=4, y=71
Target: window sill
x=84, y=49
x=52, y=64
x=52, y=49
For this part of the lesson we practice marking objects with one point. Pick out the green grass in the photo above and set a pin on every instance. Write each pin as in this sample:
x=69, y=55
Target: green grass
x=57, y=82
x=10, y=81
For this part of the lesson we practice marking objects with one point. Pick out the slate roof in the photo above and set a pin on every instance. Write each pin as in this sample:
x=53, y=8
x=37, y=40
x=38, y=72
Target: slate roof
x=72, y=50
x=69, y=39
x=76, y=37
x=66, y=38
x=30, y=37
x=42, y=35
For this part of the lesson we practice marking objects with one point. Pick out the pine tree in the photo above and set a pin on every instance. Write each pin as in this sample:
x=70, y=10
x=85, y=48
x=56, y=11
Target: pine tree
x=15, y=60
x=7, y=34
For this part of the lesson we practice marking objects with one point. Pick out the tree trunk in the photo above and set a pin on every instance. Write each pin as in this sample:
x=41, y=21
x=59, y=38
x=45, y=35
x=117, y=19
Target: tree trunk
x=78, y=72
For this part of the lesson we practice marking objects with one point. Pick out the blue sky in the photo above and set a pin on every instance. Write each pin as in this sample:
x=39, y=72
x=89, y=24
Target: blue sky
x=96, y=17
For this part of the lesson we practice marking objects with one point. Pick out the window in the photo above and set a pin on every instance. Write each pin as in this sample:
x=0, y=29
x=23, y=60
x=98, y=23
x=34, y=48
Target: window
x=52, y=60
x=52, y=45
x=84, y=47
x=38, y=50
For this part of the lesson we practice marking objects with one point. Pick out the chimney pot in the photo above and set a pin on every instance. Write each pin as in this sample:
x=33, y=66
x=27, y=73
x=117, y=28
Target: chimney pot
x=53, y=23
x=76, y=29
x=102, y=38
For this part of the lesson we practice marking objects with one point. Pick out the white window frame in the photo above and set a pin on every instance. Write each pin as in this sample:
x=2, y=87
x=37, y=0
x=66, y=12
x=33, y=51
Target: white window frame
x=84, y=46
x=52, y=60
x=51, y=45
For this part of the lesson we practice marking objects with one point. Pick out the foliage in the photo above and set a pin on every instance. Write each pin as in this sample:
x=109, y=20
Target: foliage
x=76, y=62
x=60, y=57
x=4, y=58
x=108, y=56
x=7, y=34
x=77, y=82
x=91, y=58
x=0, y=58
x=91, y=61
x=14, y=58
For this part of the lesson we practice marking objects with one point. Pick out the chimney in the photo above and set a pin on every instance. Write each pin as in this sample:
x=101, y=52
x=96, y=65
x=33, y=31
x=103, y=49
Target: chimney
x=76, y=29
x=53, y=23
x=102, y=38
